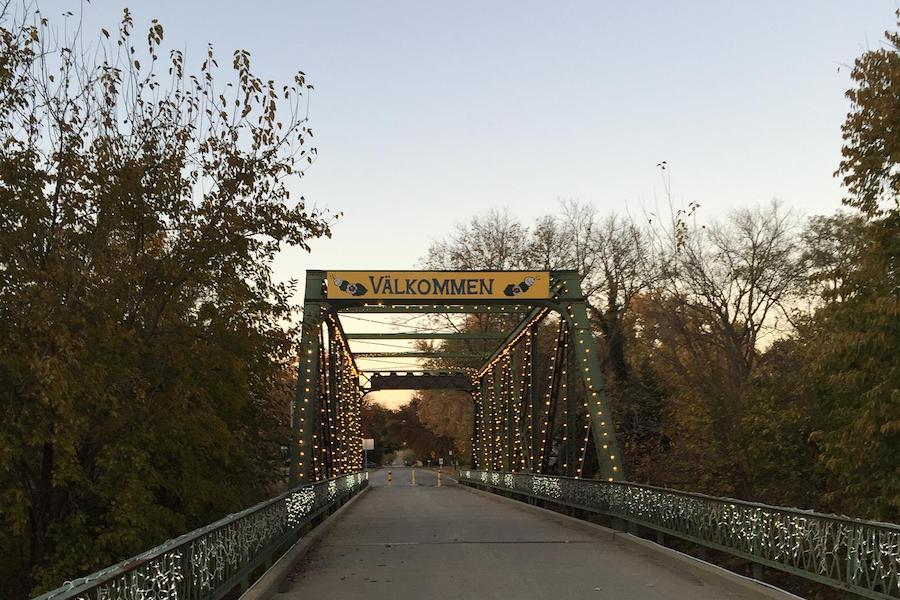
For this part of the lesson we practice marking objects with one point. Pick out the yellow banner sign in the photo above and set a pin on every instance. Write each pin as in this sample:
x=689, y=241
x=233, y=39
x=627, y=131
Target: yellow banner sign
x=438, y=285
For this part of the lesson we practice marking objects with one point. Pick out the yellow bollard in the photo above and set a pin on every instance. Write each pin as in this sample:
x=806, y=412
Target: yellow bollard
x=390, y=477
x=413, y=482
x=439, y=479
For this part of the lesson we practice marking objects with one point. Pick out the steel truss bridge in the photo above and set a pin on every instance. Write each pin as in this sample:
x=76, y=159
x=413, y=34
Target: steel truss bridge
x=542, y=434
x=525, y=416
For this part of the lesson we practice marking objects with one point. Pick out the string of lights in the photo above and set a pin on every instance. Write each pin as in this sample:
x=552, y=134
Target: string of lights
x=564, y=399
x=523, y=422
x=593, y=390
x=547, y=420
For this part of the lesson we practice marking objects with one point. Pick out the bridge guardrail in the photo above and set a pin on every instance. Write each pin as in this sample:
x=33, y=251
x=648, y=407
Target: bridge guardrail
x=859, y=556
x=207, y=563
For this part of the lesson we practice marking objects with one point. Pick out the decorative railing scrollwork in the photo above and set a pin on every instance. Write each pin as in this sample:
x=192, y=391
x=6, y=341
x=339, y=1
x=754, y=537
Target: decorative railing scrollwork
x=207, y=563
x=850, y=554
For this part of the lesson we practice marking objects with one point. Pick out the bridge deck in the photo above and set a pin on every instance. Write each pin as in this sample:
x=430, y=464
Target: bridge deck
x=428, y=542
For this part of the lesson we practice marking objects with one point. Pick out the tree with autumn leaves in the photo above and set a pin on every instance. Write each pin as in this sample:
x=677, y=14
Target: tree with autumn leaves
x=854, y=343
x=143, y=340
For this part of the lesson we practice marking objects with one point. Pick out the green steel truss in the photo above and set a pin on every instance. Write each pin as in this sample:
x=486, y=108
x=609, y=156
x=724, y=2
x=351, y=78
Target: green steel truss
x=539, y=401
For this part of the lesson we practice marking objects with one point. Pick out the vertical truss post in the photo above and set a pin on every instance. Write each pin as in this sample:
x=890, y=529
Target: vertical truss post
x=321, y=444
x=574, y=309
x=573, y=409
x=487, y=421
x=525, y=415
x=550, y=402
x=512, y=407
x=499, y=455
x=476, y=419
x=332, y=412
x=535, y=400
x=345, y=438
x=306, y=400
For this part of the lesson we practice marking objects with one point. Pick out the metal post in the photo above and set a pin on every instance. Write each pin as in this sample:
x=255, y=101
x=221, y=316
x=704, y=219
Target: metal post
x=524, y=403
x=512, y=406
x=553, y=395
x=330, y=411
x=487, y=423
x=573, y=409
x=496, y=374
x=306, y=401
x=536, y=404
x=477, y=449
x=574, y=309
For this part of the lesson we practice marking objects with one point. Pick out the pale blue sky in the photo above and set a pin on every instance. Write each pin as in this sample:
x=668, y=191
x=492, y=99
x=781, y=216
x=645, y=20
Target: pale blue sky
x=427, y=113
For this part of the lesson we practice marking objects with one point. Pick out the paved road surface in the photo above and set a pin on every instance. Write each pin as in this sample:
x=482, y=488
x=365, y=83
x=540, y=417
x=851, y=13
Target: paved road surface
x=426, y=542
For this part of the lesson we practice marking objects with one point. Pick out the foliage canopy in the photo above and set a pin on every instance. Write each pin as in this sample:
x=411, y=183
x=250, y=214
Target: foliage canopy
x=144, y=344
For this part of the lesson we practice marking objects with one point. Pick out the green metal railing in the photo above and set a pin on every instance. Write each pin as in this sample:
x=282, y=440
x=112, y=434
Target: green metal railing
x=862, y=557
x=207, y=563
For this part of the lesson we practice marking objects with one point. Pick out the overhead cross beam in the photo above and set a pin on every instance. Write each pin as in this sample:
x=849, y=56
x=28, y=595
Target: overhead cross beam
x=424, y=335
x=444, y=355
x=403, y=370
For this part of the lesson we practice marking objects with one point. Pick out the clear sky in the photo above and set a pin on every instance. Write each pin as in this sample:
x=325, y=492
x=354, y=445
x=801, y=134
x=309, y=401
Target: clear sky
x=428, y=113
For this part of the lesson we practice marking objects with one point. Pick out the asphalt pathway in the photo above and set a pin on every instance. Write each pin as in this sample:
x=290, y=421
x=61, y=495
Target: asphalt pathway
x=403, y=541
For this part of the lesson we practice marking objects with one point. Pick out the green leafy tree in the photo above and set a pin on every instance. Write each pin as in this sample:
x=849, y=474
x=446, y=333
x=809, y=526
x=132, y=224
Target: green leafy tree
x=378, y=424
x=412, y=433
x=853, y=367
x=781, y=413
x=723, y=293
x=448, y=414
x=853, y=362
x=142, y=336
x=871, y=131
x=396, y=430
